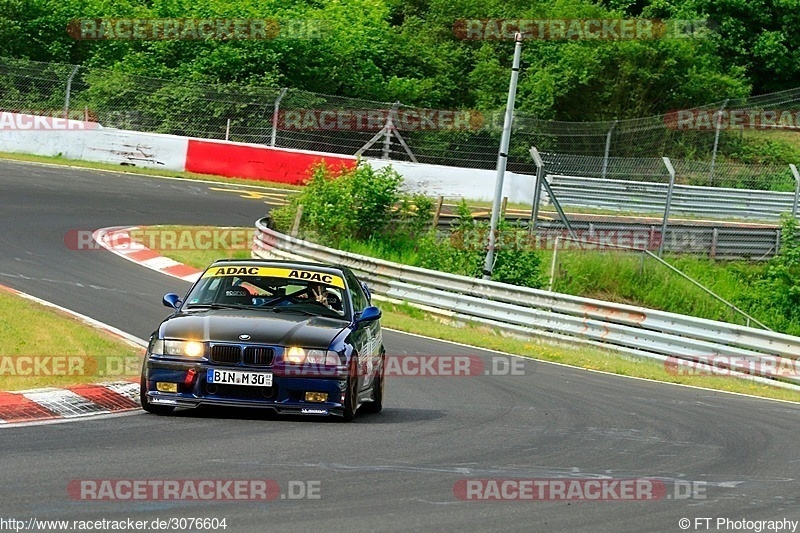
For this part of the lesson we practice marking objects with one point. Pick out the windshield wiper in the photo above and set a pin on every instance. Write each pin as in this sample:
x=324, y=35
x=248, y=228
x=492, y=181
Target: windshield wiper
x=289, y=309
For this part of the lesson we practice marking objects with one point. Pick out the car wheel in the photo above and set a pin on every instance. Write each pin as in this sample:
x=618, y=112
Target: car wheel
x=146, y=405
x=376, y=405
x=351, y=392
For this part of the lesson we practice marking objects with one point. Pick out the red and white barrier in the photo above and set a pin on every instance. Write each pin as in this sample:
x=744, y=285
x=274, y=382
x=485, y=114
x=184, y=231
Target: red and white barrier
x=241, y=160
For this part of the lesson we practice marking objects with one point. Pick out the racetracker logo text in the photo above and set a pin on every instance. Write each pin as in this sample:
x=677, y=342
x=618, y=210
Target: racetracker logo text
x=188, y=29
x=192, y=489
x=727, y=365
x=733, y=119
x=597, y=489
x=161, y=239
x=377, y=119
x=421, y=366
x=580, y=29
x=68, y=365
x=23, y=121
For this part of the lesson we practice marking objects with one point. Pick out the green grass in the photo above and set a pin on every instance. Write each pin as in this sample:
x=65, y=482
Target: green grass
x=628, y=278
x=85, y=354
x=406, y=318
x=636, y=279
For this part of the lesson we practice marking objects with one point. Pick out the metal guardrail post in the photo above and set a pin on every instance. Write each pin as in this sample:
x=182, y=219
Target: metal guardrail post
x=69, y=90
x=796, y=189
x=274, y=135
x=671, y=170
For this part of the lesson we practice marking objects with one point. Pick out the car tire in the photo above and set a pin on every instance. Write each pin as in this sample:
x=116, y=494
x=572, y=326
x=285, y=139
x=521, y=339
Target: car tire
x=376, y=405
x=351, y=394
x=146, y=405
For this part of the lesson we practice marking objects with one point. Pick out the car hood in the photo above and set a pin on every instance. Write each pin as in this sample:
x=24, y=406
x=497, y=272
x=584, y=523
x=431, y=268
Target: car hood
x=263, y=327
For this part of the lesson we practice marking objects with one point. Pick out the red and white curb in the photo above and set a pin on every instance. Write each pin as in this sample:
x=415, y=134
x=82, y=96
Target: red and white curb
x=76, y=401
x=118, y=241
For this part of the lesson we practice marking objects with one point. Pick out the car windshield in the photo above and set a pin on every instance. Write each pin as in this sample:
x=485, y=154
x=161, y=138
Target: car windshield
x=277, y=290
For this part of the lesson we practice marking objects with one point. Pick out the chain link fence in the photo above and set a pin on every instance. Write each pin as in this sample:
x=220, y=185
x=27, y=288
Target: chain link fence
x=290, y=118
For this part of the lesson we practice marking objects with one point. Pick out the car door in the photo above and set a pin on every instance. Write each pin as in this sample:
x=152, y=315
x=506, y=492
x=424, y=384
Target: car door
x=366, y=336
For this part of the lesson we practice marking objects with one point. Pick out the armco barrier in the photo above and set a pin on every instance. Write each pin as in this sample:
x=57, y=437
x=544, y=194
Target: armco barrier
x=533, y=312
x=642, y=196
x=223, y=158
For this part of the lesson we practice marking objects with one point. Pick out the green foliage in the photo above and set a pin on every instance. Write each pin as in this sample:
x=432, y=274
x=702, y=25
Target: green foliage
x=344, y=204
x=776, y=290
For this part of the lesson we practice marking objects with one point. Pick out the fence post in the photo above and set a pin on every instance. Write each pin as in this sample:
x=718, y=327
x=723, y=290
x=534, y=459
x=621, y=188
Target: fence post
x=608, y=149
x=274, y=136
x=388, y=129
x=671, y=170
x=537, y=191
x=69, y=90
x=796, y=190
x=228, y=130
x=717, y=126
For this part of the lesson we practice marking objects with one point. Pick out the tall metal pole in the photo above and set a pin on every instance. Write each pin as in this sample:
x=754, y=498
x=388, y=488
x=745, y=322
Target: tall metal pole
x=671, y=170
x=502, y=158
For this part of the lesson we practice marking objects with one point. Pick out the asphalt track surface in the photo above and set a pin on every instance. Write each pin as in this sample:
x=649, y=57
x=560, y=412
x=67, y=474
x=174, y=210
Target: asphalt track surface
x=394, y=471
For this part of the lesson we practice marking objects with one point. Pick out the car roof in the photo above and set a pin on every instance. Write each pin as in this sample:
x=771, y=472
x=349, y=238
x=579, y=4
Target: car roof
x=298, y=265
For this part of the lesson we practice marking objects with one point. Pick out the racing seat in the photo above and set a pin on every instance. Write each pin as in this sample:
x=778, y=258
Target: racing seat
x=236, y=296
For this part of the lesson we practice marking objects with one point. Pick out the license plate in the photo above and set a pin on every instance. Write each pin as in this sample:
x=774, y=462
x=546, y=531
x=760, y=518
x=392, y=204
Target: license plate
x=238, y=377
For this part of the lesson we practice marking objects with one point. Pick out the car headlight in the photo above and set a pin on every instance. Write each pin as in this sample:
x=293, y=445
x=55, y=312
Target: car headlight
x=297, y=355
x=193, y=349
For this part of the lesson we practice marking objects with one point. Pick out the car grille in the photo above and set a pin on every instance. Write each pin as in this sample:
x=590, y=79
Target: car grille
x=232, y=354
x=258, y=356
x=226, y=353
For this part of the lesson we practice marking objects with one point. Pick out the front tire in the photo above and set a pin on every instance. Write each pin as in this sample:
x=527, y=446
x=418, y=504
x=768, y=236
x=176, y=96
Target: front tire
x=376, y=405
x=146, y=405
x=351, y=394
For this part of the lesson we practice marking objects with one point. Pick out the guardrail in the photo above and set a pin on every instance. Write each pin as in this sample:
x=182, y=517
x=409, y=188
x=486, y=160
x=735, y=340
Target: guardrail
x=537, y=313
x=643, y=196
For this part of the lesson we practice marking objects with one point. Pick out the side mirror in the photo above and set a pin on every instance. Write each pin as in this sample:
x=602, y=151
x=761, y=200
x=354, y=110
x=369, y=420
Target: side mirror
x=171, y=300
x=369, y=314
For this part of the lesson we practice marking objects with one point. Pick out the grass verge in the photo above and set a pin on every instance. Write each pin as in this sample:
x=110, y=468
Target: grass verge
x=412, y=320
x=44, y=347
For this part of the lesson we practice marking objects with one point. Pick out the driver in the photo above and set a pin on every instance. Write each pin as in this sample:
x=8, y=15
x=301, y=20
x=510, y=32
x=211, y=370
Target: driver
x=317, y=292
